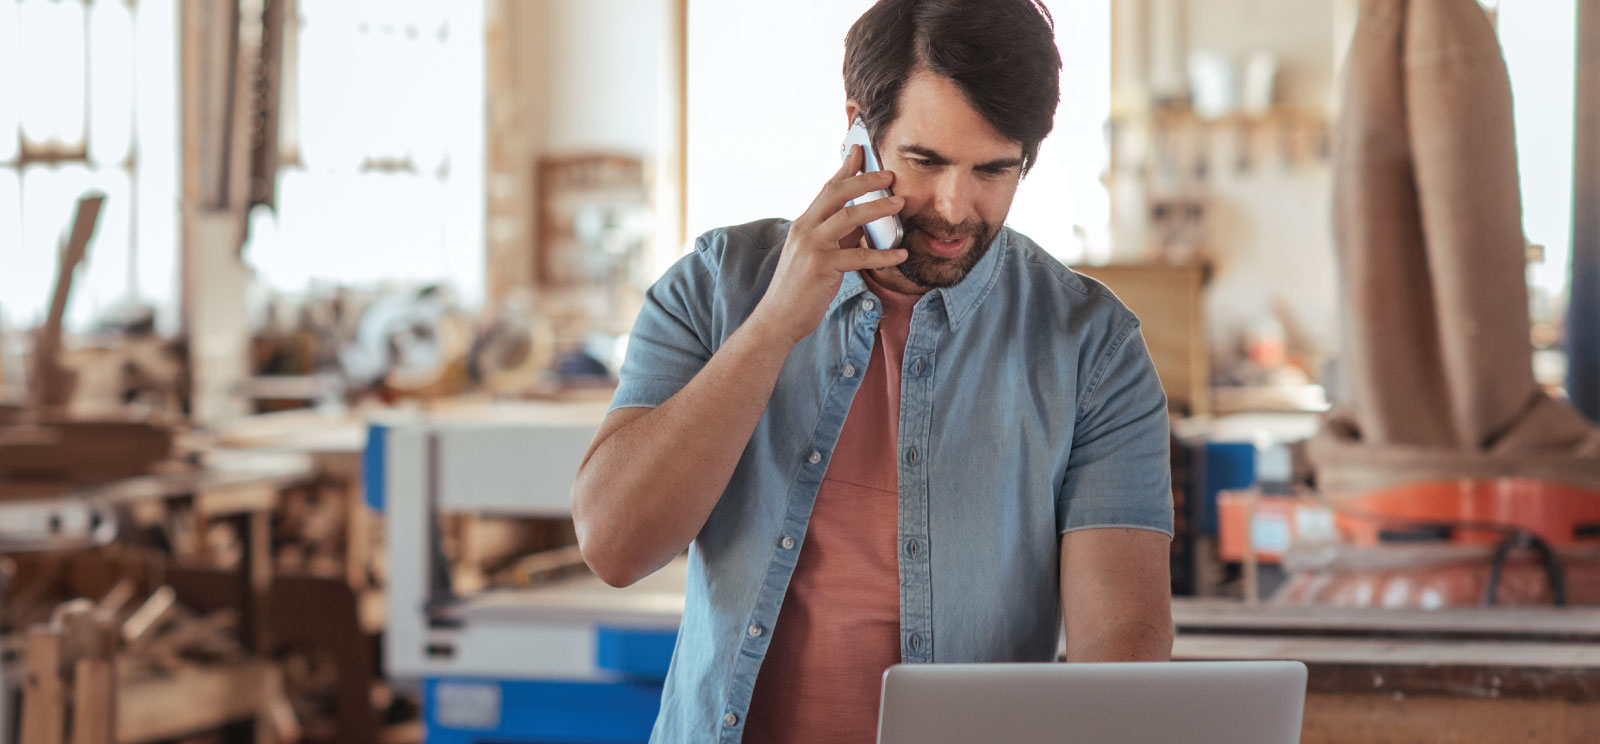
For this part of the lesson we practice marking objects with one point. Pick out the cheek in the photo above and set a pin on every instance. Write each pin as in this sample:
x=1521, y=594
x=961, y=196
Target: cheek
x=994, y=203
x=916, y=190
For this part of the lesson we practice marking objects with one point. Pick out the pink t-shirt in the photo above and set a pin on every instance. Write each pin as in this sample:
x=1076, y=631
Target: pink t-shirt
x=839, y=628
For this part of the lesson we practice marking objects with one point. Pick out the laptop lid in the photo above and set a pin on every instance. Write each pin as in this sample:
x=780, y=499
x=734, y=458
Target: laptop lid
x=1200, y=702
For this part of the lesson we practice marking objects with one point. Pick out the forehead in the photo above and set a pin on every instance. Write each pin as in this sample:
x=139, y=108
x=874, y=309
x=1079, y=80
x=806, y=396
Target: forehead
x=935, y=114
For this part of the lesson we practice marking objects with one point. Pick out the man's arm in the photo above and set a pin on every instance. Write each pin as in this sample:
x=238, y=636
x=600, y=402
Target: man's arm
x=1116, y=595
x=652, y=476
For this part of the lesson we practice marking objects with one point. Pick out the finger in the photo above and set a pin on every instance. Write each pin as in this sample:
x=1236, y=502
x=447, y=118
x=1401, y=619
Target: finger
x=819, y=210
x=850, y=166
x=856, y=259
x=835, y=195
x=853, y=239
x=851, y=218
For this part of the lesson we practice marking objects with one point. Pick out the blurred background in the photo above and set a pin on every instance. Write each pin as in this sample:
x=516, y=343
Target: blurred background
x=308, y=309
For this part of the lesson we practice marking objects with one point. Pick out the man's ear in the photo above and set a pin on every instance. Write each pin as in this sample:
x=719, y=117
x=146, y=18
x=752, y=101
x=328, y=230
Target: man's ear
x=851, y=111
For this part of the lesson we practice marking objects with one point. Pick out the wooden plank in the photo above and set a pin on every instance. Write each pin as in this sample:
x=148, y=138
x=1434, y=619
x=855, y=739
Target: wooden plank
x=1391, y=652
x=1213, y=616
x=113, y=602
x=238, y=498
x=194, y=699
x=1446, y=668
x=43, y=699
x=1406, y=719
x=51, y=387
x=150, y=615
x=94, y=702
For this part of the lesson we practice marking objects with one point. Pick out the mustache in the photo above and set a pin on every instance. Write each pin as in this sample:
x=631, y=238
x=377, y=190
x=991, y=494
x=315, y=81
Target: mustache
x=935, y=225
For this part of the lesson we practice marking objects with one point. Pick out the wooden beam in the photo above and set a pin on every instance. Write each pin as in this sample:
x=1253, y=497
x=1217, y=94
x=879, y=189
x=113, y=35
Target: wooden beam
x=94, y=702
x=1218, y=616
x=50, y=388
x=1583, y=320
x=43, y=699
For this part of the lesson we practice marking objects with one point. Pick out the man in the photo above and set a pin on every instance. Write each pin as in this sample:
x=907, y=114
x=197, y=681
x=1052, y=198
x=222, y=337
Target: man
x=928, y=454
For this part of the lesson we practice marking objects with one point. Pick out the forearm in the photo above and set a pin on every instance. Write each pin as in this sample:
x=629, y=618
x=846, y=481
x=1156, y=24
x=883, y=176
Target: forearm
x=1137, y=639
x=647, y=490
x=1116, y=596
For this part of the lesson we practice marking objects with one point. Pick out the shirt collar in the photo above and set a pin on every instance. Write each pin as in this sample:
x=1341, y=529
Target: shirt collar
x=958, y=301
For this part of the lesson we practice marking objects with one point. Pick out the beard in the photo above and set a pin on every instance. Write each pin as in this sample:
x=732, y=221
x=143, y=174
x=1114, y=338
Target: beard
x=936, y=272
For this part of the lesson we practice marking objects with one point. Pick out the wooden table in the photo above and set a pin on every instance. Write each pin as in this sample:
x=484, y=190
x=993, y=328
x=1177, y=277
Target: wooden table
x=1456, y=675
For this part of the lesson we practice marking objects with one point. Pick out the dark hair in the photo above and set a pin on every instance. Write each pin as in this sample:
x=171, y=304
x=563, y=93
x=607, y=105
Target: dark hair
x=1000, y=53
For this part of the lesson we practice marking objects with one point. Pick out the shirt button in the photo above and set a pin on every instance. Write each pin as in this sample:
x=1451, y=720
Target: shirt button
x=755, y=631
x=868, y=304
x=916, y=368
x=787, y=543
x=815, y=457
x=911, y=455
x=911, y=548
x=916, y=641
x=730, y=720
x=849, y=371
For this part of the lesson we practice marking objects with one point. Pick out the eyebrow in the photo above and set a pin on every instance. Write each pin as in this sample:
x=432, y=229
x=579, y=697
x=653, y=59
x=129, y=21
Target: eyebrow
x=933, y=155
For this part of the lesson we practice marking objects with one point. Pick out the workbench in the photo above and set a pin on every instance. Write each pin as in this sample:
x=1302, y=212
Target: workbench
x=1456, y=675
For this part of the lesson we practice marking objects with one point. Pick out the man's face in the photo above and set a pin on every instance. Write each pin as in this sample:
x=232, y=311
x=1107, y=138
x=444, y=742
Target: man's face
x=957, y=175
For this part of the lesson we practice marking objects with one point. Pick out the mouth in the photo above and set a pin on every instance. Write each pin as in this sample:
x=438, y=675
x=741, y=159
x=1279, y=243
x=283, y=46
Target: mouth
x=944, y=247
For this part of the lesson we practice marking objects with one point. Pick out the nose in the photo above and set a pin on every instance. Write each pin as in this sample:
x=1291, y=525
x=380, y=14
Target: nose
x=953, y=200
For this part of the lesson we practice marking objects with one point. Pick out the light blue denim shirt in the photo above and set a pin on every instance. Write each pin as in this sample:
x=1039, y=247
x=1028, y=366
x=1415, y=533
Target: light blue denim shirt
x=1028, y=407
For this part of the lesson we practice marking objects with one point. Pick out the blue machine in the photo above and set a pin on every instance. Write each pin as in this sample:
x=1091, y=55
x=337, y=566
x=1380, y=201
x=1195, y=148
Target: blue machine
x=568, y=662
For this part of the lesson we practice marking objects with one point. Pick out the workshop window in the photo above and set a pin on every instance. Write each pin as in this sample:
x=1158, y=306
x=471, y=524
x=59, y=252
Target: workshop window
x=382, y=136
x=1540, y=49
x=94, y=109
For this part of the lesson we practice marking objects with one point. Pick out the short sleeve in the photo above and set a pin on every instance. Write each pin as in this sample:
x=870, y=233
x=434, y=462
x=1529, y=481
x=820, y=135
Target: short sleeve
x=671, y=340
x=1118, y=472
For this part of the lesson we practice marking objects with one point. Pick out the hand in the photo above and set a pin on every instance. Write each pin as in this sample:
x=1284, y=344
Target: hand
x=824, y=244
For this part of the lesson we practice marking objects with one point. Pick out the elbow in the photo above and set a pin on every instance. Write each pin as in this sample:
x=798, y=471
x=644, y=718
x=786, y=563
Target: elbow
x=599, y=553
x=605, y=565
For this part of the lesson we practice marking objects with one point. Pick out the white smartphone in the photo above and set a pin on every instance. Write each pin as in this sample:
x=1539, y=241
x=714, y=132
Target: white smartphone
x=885, y=232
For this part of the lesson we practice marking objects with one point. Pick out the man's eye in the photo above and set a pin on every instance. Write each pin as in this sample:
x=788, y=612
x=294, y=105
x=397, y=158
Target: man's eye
x=922, y=162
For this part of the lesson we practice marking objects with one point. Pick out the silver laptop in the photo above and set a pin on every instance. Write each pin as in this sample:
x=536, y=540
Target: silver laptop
x=1195, y=702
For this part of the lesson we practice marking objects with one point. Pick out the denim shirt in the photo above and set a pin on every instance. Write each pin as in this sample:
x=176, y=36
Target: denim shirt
x=1029, y=407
